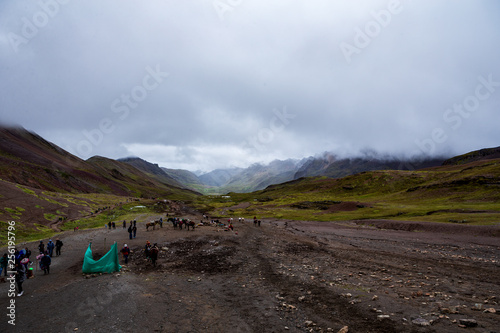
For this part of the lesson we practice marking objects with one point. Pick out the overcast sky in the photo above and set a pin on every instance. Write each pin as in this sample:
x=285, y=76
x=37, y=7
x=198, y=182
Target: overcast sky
x=207, y=84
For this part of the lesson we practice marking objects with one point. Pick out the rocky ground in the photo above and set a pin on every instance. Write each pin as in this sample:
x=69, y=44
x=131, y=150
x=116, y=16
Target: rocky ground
x=284, y=276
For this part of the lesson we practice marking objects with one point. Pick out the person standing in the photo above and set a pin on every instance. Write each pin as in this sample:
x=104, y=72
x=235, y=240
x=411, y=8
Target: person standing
x=134, y=229
x=125, y=251
x=130, y=231
x=147, y=249
x=50, y=247
x=41, y=247
x=27, y=254
x=20, y=277
x=45, y=263
x=59, y=244
x=39, y=260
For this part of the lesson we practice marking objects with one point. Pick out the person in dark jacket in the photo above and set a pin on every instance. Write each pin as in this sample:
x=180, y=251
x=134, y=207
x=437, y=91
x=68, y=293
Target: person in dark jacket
x=20, y=277
x=41, y=247
x=130, y=231
x=27, y=254
x=45, y=263
x=59, y=244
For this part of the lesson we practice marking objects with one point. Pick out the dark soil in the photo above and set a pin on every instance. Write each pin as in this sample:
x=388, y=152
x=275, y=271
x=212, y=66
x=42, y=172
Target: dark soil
x=285, y=276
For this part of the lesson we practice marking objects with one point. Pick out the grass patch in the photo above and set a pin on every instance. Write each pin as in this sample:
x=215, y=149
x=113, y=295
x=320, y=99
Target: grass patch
x=15, y=213
x=50, y=217
x=42, y=232
x=77, y=201
x=52, y=200
x=26, y=190
x=24, y=234
x=118, y=214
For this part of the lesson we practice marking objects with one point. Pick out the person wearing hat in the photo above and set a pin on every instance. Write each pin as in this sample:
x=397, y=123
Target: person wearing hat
x=125, y=251
x=29, y=271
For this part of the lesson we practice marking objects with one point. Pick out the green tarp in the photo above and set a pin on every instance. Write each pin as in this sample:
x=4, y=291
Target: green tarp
x=107, y=264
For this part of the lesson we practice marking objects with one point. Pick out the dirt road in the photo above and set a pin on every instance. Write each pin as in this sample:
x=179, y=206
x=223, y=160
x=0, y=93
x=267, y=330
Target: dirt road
x=284, y=276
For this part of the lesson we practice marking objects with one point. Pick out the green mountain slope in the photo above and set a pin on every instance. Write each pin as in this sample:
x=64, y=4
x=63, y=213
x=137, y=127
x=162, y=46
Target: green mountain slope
x=152, y=170
x=464, y=193
x=478, y=155
x=139, y=183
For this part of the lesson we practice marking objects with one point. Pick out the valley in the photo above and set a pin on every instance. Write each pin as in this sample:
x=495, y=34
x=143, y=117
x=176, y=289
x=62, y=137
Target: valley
x=376, y=251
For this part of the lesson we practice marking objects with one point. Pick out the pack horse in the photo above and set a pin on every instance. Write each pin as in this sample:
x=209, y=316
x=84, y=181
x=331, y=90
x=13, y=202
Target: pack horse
x=152, y=224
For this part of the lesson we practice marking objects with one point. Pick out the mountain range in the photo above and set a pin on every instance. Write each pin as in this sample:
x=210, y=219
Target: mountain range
x=42, y=186
x=28, y=159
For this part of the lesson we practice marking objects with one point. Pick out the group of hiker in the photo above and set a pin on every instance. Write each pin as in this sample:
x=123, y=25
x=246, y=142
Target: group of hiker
x=16, y=263
x=46, y=253
x=132, y=229
x=19, y=262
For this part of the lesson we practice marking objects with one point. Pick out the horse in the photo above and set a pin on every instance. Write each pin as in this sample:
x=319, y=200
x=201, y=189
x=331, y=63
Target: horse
x=190, y=224
x=152, y=224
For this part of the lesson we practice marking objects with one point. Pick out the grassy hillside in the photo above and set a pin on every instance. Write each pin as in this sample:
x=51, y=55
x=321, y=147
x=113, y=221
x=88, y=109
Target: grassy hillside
x=41, y=214
x=186, y=178
x=152, y=170
x=477, y=155
x=138, y=183
x=468, y=193
x=29, y=160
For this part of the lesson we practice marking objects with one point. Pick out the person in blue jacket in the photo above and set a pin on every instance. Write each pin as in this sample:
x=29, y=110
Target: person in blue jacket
x=50, y=247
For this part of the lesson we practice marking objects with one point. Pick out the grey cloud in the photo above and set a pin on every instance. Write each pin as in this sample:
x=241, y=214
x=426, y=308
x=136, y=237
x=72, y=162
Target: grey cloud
x=226, y=76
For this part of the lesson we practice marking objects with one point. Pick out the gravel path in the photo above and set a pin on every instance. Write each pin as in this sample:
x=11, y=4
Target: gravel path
x=285, y=276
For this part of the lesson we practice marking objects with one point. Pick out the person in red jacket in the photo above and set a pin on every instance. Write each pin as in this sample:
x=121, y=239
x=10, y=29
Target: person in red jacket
x=125, y=251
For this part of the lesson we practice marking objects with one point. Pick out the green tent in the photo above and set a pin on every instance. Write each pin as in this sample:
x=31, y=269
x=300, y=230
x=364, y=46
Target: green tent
x=107, y=264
